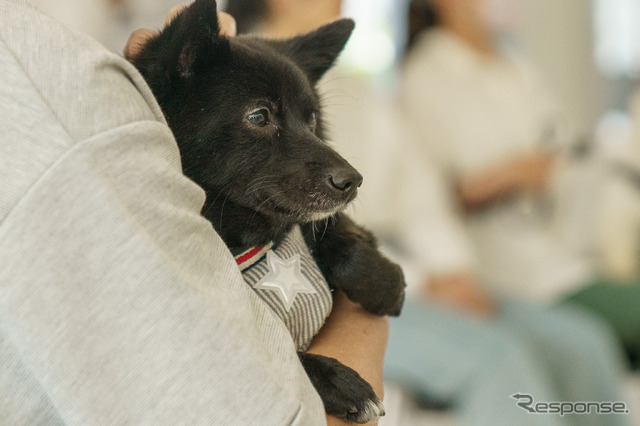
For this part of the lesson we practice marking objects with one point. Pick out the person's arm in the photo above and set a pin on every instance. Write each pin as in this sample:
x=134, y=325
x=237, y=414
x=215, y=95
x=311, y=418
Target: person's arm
x=118, y=302
x=356, y=338
x=459, y=290
x=434, y=235
x=526, y=173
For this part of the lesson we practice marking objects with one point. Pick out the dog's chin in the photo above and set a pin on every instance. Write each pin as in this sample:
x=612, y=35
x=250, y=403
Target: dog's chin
x=308, y=209
x=318, y=216
x=282, y=214
x=286, y=214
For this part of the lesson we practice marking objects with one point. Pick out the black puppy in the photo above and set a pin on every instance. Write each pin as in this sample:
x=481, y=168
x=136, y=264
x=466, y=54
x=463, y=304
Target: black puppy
x=248, y=124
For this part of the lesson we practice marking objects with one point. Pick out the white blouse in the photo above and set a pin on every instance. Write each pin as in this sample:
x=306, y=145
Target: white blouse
x=470, y=112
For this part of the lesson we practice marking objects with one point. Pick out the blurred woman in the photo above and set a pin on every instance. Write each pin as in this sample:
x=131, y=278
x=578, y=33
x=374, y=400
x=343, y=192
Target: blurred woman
x=482, y=114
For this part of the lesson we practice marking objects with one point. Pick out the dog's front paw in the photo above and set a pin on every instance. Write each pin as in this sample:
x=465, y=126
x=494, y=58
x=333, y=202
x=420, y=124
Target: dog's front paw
x=349, y=258
x=344, y=393
x=377, y=284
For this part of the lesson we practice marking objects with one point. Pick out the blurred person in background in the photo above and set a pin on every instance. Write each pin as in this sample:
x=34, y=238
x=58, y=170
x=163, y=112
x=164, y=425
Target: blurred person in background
x=478, y=116
x=473, y=358
x=482, y=114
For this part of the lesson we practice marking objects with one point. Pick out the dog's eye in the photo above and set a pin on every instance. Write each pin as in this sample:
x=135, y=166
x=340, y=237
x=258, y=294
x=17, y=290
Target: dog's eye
x=312, y=121
x=258, y=117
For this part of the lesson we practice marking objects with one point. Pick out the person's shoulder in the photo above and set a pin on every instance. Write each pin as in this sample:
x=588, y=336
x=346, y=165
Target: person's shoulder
x=59, y=91
x=439, y=47
x=424, y=49
x=521, y=64
x=437, y=59
x=88, y=89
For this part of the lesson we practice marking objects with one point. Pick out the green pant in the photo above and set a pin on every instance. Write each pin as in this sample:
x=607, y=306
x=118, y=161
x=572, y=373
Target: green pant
x=618, y=305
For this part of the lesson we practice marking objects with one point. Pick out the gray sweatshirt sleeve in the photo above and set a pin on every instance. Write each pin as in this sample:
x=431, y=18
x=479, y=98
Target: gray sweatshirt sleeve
x=119, y=304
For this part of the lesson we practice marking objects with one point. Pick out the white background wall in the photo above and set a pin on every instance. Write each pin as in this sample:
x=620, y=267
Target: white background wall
x=558, y=36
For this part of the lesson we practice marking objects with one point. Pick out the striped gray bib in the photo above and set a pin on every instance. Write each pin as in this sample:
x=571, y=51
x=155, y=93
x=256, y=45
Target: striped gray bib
x=288, y=280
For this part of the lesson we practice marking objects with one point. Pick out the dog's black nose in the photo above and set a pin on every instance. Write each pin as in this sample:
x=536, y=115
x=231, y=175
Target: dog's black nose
x=345, y=179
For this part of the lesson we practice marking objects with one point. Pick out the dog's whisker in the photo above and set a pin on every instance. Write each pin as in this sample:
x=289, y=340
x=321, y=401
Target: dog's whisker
x=204, y=213
x=257, y=189
x=222, y=209
x=354, y=206
x=340, y=105
x=313, y=230
x=261, y=183
x=340, y=93
x=331, y=80
x=326, y=226
x=348, y=99
x=330, y=101
x=257, y=209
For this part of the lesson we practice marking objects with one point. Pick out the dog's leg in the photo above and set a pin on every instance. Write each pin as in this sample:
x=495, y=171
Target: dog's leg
x=349, y=258
x=344, y=393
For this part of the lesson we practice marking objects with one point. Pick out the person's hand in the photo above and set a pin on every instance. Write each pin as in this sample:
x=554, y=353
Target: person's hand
x=460, y=291
x=525, y=173
x=534, y=171
x=139, y=37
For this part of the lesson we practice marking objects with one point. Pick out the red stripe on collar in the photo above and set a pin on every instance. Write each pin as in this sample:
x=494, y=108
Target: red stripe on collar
x=252, y=255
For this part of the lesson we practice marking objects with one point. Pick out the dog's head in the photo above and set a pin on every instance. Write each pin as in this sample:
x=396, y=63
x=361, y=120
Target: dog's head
x=246, y=115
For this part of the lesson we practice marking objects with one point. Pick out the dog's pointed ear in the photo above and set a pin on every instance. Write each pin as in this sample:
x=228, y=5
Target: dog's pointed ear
x=196, y=39
x=190, y=43
x=315, y=52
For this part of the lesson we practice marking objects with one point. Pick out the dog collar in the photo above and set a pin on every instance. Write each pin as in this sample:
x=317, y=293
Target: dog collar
x=250, y=257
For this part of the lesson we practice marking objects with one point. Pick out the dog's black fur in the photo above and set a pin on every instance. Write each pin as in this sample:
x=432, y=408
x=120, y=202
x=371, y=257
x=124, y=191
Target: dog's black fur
x=248, y=124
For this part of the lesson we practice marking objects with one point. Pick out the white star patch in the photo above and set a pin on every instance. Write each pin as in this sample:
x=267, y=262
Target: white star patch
x=286, y=278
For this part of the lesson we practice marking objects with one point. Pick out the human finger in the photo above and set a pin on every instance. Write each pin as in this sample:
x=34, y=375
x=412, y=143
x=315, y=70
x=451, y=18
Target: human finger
x=136, y=42
x=227, y=24
x=139, y=38
x=173, y=13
